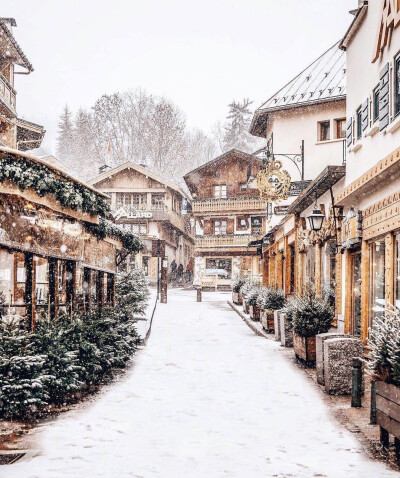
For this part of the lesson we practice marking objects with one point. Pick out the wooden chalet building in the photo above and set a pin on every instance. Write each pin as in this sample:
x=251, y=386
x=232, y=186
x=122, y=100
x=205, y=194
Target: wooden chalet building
x=228, y=216
x=151, y=207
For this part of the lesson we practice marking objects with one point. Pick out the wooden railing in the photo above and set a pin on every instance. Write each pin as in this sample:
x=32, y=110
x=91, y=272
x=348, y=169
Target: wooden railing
x=229, y=204
x=205, y=242
x=7, y=92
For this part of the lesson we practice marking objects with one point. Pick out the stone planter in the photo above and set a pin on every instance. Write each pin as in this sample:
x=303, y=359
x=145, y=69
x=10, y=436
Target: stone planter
x=388, y=412
x=245, y=306
x=237, y=298
x=320, y=339
x=267, y=320
x=277, y=325
x=304, y=348
x=286, y=332
x=254, y=312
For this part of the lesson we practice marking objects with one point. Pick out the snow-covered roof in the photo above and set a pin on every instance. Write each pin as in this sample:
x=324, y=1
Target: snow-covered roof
x=19, y=55
x=324, y=80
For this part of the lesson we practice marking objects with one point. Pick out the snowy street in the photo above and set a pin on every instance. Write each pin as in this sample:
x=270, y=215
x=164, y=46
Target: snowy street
x=205, y=398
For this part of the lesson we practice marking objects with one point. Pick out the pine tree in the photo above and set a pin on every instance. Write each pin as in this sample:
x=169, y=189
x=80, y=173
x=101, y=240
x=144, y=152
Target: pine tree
x=85, y=164
x=132, y=291
x=65, y=139
x=237, y=134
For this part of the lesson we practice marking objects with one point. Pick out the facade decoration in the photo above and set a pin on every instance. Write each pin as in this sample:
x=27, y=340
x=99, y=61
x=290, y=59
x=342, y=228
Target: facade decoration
x=273, y=182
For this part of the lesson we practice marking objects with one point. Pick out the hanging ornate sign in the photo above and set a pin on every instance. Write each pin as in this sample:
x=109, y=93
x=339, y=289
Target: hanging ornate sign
x=273, y=181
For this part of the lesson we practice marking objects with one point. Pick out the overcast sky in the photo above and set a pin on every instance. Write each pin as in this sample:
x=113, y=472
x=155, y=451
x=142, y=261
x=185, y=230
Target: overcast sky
x=201, y=54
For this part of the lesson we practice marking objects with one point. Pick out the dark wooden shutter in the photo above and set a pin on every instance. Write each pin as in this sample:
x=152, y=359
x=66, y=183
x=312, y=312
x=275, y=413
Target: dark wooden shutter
x=230, y=226
x=384, y=98
x=349, y=132
x=208, y=227
x=365, y=114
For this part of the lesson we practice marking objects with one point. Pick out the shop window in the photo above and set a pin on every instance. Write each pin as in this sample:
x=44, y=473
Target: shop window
x=6, y=276
x=220, y=191
x=41, y=265
x=324, y=130
x=377, y=278
x=20, y=278
x=61, y=282
x=376, y=104
x=356, y=293
x=220, y=227
x=359, y=123
x=292, y=258
x=220, y=267
x=340, y=128
x=397, y=85
x=310, y=265
x=397, y=273
x=256, y=225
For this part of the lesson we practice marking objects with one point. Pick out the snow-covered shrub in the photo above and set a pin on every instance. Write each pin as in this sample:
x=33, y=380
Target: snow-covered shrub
x=252, y=296
x=384, y=340
x=237, y=284
x=329, y=294
x=311, y=315
x=271, y=299
x=245, y=288
x=289, y=309
x=132, y=291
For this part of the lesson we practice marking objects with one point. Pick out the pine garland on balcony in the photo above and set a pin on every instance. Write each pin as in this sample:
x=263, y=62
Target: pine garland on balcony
x=106, y=228
x=25, y=174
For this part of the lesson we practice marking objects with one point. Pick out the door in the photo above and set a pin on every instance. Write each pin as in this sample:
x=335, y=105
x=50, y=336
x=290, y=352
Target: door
x=356, y=293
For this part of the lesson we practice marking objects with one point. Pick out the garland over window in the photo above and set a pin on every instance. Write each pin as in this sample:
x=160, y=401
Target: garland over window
x=106, y=228
x=43, y=180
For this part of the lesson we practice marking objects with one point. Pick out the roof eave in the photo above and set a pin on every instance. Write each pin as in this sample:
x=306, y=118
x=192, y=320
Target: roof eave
x=354, y=26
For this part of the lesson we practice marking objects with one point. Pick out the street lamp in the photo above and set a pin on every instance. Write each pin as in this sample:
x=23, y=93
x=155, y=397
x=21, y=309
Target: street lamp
x=315, y=219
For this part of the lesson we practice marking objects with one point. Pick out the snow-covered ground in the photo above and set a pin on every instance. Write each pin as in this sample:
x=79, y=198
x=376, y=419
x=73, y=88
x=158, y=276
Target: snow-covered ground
x=205, y=398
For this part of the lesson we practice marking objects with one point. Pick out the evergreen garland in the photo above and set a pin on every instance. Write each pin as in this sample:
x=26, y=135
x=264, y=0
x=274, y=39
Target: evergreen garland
x=42, y=179
x=106, y=228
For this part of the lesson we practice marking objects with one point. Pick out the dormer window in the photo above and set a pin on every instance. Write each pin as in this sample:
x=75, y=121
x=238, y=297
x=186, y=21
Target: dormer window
x=220, y=191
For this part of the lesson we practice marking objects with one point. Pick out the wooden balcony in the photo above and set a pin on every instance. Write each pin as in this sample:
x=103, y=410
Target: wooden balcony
x=7, y=96
x=221, y=242
x=218, y=206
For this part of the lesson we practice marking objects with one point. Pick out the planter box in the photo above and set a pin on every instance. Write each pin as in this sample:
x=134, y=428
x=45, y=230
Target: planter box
x=388, y=410
x=254, y=312
x=304, y=348
x=245, y=306
x=237, y=298
x=267, y=320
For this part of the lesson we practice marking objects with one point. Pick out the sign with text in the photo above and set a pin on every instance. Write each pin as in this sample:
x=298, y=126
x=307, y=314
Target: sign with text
x=132, y=213
x=281, y=210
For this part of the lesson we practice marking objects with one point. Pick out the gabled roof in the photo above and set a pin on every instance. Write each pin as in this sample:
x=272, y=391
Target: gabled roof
x=139, y=169
x=322, y=81
x=359, y=16
x=21, y=59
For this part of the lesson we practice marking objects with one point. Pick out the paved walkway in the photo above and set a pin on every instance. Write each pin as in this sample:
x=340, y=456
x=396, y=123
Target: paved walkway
x=205, y=399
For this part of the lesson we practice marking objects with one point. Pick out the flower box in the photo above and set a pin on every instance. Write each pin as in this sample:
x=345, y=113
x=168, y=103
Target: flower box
x=388, y=411
x=237, y=298
x=267, y=320
x=254, y=312
x=305, y=348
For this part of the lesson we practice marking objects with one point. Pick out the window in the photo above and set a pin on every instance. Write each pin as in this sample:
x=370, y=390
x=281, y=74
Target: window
x=292, y=258
x=219, y=228
x=243, y=186
x=377, y=275
x=158, y=199
x=42, y=280
x=220, y=267
x=397, y=273
x=139, y=228
x=139, y=199
x=376, y=104
x=220, y=191
x=340, y=128
x=359, y=123
x=256, y=225
x=242, y=223
x=324, y=130
x=397, y=85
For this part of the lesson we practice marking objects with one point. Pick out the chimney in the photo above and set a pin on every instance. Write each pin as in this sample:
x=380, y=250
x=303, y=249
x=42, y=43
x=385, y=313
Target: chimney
x=104, y=168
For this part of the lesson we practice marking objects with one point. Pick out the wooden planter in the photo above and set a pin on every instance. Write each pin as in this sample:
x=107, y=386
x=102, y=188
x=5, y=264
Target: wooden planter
x=304, y=348
x=254, y=312
x=245, y=306
x=388, y=413
x=237, y=298
x=267, y=320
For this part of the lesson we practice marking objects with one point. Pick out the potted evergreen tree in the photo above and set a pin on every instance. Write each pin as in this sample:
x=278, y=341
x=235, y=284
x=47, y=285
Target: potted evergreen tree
x=311, y=315
x=252, y=300
x=269, y=300
x=244, y=290
x=384, y=366
x=236, y=286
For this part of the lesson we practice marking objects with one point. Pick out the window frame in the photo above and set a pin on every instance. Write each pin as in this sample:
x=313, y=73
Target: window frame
x=359, y=123
x=375, y=104
x=337, y=122
x=320, y=129
x=396, y=86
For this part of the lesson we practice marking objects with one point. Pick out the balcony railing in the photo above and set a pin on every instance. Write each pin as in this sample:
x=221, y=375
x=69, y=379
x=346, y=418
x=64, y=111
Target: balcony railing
x=229, y=204
x=232, y=240
x=7, y=93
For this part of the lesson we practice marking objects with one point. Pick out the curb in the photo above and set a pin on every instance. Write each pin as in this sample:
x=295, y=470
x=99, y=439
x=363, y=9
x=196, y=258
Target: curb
x=250, y=323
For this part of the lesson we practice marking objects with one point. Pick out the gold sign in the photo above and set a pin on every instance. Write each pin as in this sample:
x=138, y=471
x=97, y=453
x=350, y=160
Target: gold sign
x=273, y=181
x=389, y=21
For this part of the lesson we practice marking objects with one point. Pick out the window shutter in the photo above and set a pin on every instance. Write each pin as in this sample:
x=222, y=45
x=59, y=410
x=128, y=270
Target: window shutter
x=208, y=229
x=349, y=132
x=365, y=114
x=230, y=226
x=384, y=98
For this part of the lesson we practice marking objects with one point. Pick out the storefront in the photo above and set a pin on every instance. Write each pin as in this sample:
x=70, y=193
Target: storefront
x=53, y=258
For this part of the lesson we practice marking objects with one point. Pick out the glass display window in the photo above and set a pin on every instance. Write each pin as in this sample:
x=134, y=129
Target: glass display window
x=377, y=279
x=6, y=276
x=41, y=265
x=397, y=272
